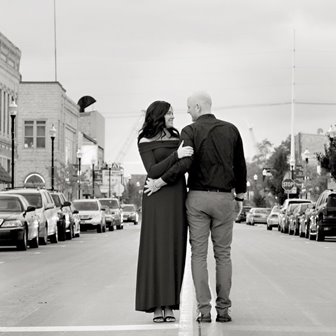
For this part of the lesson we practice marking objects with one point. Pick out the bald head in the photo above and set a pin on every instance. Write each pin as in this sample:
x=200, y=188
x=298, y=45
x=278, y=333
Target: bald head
x=199, y=103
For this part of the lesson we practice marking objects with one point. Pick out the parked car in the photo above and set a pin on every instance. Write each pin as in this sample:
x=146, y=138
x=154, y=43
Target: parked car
x=323, y=218
x=130, y=213
x=113, y=213
x=46, y=210
x=19, y=223
x=305, y=221
x=294, y=221
x=68, y=222
x=242, y=216
x=286, y=212
x=257, y=215
x=91, y=214
x=273, y=218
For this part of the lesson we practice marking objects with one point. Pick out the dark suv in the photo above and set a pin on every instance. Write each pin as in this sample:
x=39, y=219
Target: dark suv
x=323, y=218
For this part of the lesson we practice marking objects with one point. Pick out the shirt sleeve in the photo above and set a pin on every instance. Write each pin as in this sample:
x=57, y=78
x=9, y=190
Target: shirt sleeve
x=239, y=166
x=156, y=169
x=181, y=166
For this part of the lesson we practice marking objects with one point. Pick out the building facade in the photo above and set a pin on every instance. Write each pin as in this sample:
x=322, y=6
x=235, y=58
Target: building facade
x=10, y=57
x=42, y=105
x=312, y=143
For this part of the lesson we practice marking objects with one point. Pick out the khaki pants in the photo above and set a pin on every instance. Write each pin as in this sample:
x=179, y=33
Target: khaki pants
x=211, y=212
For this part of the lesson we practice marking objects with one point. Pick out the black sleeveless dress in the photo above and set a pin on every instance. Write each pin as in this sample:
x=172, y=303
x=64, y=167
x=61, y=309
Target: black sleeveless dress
x=163, y=235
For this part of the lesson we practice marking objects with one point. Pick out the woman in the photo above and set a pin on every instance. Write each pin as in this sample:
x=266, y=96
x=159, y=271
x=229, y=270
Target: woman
x=164, y=227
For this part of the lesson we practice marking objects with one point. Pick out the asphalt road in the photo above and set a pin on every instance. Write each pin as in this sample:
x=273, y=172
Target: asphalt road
x=282, y=285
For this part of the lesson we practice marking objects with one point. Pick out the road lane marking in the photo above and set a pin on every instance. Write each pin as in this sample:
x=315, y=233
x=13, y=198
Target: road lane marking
x=163, y=326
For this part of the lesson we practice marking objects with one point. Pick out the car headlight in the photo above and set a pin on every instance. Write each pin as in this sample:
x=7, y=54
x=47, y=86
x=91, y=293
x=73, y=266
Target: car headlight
x=12, y=223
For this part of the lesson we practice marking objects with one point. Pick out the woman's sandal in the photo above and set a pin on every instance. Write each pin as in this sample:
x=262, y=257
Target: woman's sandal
x=158, y=319
x=169, y=318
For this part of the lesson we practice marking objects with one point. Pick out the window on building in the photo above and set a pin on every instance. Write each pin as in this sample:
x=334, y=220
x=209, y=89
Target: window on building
x=40, y=134
x=34, y=134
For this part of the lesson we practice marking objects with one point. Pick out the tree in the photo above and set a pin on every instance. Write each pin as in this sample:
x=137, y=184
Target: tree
x=279, y=167
x=328, y=158
x=264, y=151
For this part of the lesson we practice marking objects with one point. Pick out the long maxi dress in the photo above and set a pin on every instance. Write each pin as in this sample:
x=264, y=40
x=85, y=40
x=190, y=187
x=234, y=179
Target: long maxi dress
x=163, y=235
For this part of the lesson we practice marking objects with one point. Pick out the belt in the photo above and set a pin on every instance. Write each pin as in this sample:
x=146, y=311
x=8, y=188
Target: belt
x=212, y=189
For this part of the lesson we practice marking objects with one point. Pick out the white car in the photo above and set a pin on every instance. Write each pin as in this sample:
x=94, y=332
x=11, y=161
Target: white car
x=273, y=218
x=91, y=214
x=45, y=209
x=130, y=213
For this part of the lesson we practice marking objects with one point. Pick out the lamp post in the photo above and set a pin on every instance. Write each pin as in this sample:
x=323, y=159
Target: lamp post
x=93, y=178
x=109, y=172
x=79, y=157
x=12, y=111
x=305, y=156
x=248, y=185
x=52, y=133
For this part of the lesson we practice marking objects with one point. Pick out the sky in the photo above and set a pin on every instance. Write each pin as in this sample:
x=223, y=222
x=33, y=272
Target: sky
x=129, y=53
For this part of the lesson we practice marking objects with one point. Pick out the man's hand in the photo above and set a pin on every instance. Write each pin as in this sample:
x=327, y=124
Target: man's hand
x=239, y=200
x=184, y=151
x=153, y=186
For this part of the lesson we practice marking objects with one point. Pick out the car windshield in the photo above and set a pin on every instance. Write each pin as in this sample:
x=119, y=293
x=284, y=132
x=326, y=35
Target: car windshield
x=33, y=199
x=112, y=204
x=331, y=202
x=86, y=205
x=262, y=211
x=10, y=204
x=57, y=200
x=128, y=208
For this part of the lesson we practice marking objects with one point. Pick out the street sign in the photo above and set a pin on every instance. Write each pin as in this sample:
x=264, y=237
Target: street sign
x=288, y=184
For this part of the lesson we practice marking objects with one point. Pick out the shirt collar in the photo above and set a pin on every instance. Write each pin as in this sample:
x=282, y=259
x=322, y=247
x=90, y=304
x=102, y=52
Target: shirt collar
x=206, y=116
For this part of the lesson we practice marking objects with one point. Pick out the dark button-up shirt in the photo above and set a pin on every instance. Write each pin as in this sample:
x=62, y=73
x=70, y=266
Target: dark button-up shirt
x=218, y=161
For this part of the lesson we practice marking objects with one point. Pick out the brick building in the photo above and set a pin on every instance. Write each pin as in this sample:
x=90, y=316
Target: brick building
x=10, y=56
x=40, y=106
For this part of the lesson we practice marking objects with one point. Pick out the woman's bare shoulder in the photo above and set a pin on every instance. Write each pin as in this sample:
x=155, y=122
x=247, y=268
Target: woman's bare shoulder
x=142, y=140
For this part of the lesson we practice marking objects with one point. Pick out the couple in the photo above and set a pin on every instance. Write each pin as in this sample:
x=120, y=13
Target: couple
x=211, y=151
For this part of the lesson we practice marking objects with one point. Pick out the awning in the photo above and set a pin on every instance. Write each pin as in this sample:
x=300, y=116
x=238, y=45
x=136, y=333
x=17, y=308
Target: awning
x=4, y=176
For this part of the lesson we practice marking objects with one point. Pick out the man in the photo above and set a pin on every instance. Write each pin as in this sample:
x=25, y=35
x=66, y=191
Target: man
x=217, y=177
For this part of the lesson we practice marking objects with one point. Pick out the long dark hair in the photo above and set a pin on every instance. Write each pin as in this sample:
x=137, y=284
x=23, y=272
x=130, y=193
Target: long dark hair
x=155, y=121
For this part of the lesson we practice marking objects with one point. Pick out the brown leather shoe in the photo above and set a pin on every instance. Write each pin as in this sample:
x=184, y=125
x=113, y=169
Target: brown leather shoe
x=224, y=317
x=205, y=318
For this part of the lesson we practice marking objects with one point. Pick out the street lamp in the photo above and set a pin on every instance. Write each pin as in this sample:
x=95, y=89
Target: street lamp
x=79, y=157
x=305, y=156
x=93, y=178
x=12, y=111
x=109, y=172
x=248, y=185
x=52, y=133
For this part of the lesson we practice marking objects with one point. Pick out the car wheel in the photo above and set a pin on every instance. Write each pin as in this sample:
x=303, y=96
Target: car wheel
x=99, y=228
x=69, y=235
x=269, y=227
x=54, y=237
x=34, y=243
x=111, y=227
x=23, y=243
x=135, y=222
x=44, y=239
x=61, y=231
x=319, y=234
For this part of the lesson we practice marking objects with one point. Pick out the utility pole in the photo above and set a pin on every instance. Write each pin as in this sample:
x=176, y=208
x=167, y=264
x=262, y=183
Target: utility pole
x=292, y=148
x=55, y=40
